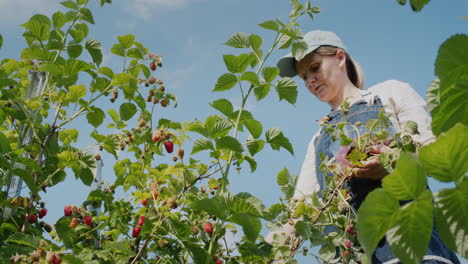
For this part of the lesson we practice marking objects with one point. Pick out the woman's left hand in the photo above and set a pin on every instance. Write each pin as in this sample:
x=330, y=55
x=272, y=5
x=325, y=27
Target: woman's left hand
x=372, y=168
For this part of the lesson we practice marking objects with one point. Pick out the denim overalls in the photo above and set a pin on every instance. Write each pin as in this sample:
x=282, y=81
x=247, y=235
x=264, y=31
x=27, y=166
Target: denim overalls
x=362, y=111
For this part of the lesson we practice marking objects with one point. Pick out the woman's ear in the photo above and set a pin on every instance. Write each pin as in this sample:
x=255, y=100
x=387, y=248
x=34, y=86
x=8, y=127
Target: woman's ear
x=341, y=55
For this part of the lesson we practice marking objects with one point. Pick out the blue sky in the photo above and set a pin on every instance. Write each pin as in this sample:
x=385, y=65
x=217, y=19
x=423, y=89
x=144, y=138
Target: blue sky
x=388, y=40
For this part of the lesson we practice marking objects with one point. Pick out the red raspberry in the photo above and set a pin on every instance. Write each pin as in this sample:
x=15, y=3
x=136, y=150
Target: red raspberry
x=169, y=145
x=88, y=220
x=351, y=230
x=153, y=66
x=347, y=243
x=67, y=210
x=32, y=218
x=144, y=202
x=136, y=231
x=208, y=227
x=57, y=260
x=141, y=220
x=42, y=212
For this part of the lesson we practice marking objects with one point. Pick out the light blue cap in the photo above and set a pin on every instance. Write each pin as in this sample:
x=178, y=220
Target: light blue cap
x=314, y=39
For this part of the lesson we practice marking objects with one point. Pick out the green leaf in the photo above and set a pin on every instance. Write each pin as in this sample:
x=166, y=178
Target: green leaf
x=126, y=41
x=417, y=5
x=283, y=177
x=287, y=90
x=68, y=135
x=327, y=252
x=52, y=68
x=255, y=127
x=65, y=232
x=24, y=239
x=452, y=108
x=299, y=49
x=224, y=106
x=277, y=140
x=4, y=143
x=58, y=20
x=375, y=216
x=270, y=73
x=251, y=161
x=214, y=206
x=122, y=78
x=127, y=111
x=199, y=255
x=229, y=143
x=202, y=144
x=221, y=128
x=1, y=40
x=94, y=48
x=446, y=158
x=76, y=92
x=451, y=208
x=255, y=41
x=452, y=60
x=432, y=94
x=262, y=91
x=238, y=40
x=114, y=115
x=86, y=15
x=270, y=25
x=251, y=77
x=251, y=225
x=237, y=64
x=225, y=82
x=74, y=50
x=95, y=116
x=117, y=49
x=38, y=27
x=70, y=4
x=407, y=181
x=255, y=146
x=410, y=237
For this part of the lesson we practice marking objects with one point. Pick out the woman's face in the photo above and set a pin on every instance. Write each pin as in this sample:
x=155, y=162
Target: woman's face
x=323, y=74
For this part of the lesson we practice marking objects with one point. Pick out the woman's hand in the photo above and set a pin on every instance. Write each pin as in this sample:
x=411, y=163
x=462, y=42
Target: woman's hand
x=372, y=168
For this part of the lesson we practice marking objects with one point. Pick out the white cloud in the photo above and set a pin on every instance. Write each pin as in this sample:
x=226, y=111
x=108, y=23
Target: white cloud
x=16, y=12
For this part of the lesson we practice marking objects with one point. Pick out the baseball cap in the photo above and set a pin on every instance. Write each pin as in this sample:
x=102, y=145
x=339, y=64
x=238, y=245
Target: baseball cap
x=314, y=39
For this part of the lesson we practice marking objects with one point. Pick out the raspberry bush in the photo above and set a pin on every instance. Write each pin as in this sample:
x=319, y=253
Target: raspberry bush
x=181, y=210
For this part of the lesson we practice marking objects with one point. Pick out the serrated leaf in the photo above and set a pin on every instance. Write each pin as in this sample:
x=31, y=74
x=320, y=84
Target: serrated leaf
x=262, y=91
x=287, y=90
x=452, y=60
x=94, y=48
x=283, y=177
x=212, y=206
x=95, y=116
x=76, y=92
x=255, y=41
x=224, y=106
x=410, y=237
x=270, y=25
x=452, y=107
x=74, y=50
x=251, y=77
x=446, y=158
x=237, y=64
x=122, y=78
x=202, y=144
x=114, y=115
x=127, y=111
x=277, y=140
x=24, y=239
x=270, y=73
x=220, y=128
x=229, y=143
x=58, y=19
x=451, y=208
x=251, y=161
x=417, y=5
x=407, y=181
x=4, y=143
x=375, y=216
x=251, y=225
x=126, y=41
x=255, y=127
x=70, y=4
x=238, y=40
x=86, y=15
x=299, y=49
x=255, y=146
x=225, y=82
x=68, y=135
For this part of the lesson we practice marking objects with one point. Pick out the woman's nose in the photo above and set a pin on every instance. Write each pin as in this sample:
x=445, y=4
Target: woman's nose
x=310, y=79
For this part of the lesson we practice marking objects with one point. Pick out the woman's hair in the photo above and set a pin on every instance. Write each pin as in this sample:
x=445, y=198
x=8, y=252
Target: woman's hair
x=354, y=70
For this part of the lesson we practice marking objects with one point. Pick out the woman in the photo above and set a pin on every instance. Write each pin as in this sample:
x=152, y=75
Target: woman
x=332, y=76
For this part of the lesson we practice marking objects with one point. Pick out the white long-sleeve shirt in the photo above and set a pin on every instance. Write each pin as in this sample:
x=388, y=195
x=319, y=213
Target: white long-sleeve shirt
x=400, y=101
